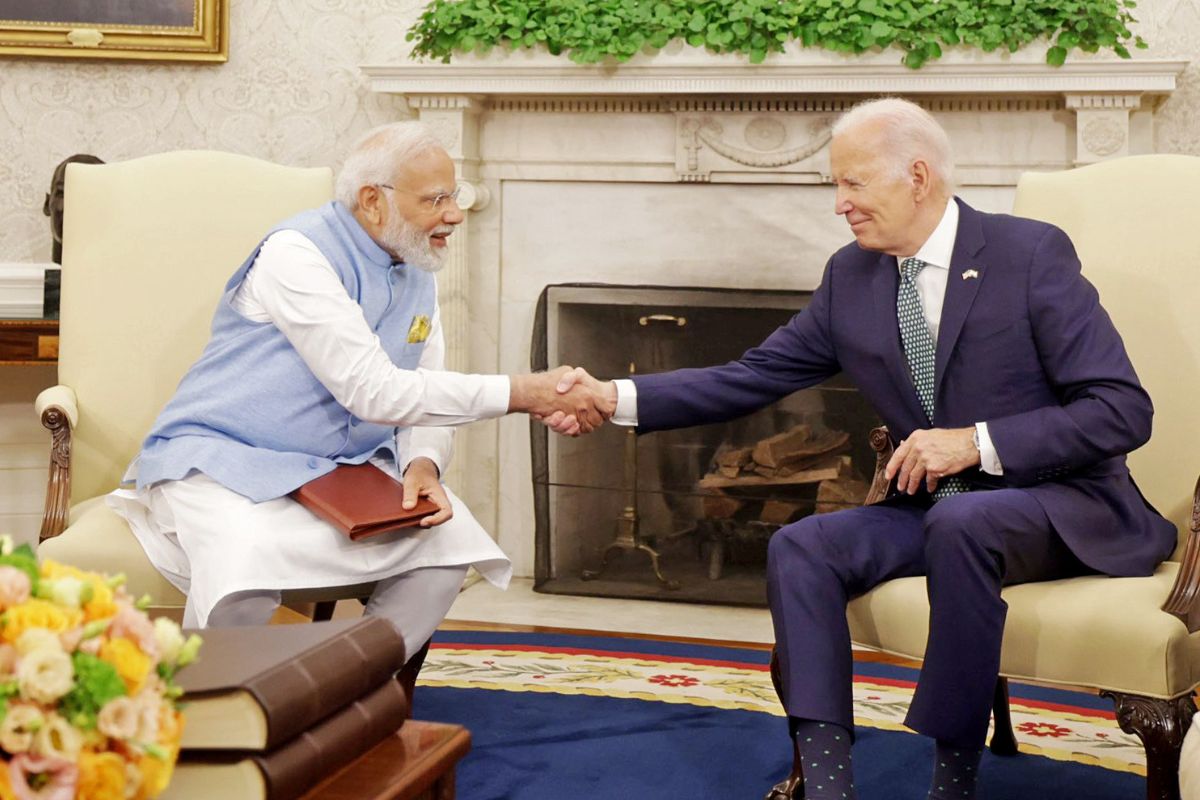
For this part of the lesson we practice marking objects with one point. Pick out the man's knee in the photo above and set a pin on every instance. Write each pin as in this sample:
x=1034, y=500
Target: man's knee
x=802, y=542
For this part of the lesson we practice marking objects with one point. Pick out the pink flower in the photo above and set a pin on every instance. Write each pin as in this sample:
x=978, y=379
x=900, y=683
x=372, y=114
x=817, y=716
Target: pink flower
x=135, y=626
x=61, y=777
x=1043, y=729
x=674, y=680
x=14, y=586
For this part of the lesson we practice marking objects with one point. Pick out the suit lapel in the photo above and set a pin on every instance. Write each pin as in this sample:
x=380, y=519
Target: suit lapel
x=885, y=282
x=966, y=275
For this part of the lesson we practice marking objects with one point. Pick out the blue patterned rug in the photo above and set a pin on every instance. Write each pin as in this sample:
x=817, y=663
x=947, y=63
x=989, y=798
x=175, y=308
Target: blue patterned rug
x=555, y=716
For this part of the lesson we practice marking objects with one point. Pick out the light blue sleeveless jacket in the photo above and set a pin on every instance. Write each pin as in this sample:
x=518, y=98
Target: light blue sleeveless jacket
x=250, y=414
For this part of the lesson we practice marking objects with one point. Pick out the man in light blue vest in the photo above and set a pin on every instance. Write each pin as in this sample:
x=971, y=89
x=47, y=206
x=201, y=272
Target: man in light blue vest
x=327, y=349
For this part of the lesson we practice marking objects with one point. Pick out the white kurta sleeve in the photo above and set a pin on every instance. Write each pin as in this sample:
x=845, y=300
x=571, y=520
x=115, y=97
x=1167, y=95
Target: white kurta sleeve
x=293, y=286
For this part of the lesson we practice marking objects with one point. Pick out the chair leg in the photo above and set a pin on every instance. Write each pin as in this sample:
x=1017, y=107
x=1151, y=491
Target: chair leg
x=408, y=674
x=323, y=611
x=1004, y=742
x=1161, y=725
x=791, y=787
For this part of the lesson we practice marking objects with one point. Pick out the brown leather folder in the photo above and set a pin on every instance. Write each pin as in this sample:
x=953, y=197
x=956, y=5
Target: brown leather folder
x=361, y=500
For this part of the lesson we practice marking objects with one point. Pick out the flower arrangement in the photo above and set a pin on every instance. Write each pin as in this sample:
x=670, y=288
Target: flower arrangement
x=88, y=703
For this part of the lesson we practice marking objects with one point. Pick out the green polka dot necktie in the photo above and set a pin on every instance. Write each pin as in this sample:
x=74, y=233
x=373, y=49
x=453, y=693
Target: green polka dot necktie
x=919, y=351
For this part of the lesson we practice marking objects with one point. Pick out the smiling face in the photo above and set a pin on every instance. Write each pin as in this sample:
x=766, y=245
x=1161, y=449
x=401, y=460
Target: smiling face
x=412, y=216
x=889, y=210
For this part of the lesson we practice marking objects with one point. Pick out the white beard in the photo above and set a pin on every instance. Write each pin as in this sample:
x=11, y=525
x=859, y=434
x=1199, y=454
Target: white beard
x=411, y=245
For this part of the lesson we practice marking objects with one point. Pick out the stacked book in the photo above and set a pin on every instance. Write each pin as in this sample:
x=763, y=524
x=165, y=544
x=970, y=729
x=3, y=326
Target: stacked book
x=270, y=711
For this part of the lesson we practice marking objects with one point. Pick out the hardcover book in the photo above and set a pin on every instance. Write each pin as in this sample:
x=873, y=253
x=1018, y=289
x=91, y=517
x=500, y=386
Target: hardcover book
x=255, y=687
x=361, y=500
x=291, y=769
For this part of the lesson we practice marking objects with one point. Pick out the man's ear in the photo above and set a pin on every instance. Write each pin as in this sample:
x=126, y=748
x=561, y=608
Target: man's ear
x=922, y=180
x=370, y=203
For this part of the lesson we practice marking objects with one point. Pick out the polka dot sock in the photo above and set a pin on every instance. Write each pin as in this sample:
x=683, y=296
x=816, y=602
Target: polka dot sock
x=825, y=748
x=955, y=770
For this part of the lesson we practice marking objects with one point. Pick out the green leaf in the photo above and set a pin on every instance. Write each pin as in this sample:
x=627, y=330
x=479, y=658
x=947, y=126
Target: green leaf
x=1056, y=56
x=697, y=22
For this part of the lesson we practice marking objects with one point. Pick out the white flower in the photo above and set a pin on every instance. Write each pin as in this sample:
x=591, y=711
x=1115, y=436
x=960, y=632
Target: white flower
x=118, y=719
x=57, y=739
x=34, y=639
x=18, y=726
x=6, y=544
x=67, y=591
x=45, y=675
x=170, y=639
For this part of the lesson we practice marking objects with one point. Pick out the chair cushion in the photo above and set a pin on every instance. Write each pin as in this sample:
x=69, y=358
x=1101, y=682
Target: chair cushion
x=1095, y=631
x=97, y=539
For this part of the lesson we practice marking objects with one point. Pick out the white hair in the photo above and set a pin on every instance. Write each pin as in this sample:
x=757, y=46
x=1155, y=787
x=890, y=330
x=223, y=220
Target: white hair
x=909, y=133
x=376, y=156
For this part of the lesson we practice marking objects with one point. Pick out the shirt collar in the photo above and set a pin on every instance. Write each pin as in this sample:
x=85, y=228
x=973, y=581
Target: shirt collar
x=939, y=247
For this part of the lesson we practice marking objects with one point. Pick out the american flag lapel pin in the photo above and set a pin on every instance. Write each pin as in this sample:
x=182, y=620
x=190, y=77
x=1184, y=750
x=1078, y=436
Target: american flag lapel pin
x=970, y=273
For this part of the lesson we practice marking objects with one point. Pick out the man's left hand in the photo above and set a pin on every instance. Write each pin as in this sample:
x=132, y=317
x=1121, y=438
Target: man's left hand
x=930, y=455
x=421, y=480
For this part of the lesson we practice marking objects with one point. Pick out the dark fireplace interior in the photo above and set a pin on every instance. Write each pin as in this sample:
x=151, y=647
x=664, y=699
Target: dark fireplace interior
x=685, y=514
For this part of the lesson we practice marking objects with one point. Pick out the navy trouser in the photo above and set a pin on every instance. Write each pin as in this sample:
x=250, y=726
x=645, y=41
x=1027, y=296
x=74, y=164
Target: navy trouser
x=967, y=546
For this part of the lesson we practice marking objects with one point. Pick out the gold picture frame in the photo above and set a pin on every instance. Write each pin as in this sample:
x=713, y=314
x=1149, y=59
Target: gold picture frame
x=143, y=30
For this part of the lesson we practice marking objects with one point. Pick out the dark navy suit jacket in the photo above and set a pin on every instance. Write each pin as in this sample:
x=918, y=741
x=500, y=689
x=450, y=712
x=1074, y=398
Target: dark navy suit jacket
x=1025, y=346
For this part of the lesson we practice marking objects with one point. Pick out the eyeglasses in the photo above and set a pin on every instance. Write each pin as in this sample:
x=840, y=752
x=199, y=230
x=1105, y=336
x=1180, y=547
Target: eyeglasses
x=436, y=202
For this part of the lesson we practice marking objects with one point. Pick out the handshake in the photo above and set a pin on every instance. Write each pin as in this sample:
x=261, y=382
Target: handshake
x=567, y=400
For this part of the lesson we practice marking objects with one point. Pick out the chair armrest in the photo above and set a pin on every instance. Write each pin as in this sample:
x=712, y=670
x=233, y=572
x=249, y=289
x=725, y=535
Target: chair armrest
x=881, y=443
x=61, y=396
x=59, y=412
x=1181, y=602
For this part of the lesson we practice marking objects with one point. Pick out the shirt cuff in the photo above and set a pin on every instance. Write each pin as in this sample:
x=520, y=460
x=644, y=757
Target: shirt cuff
x=626, y=413
x=494, y=396
x=989, y=461
x=424, y=452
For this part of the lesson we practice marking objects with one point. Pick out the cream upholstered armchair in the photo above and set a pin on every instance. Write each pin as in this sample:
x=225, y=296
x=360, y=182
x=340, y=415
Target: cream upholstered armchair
x=1135, y=640
x=147, y=248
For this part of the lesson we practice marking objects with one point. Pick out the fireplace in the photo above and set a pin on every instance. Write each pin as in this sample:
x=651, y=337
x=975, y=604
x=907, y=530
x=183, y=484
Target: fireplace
x=686, y=514
x=693, y=169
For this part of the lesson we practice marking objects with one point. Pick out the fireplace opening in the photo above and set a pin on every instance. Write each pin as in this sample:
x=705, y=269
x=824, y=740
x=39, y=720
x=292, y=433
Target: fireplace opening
x=686, y=514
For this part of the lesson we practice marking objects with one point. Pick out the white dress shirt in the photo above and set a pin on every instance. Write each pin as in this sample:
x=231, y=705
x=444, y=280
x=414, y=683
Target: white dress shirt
x=931, y=288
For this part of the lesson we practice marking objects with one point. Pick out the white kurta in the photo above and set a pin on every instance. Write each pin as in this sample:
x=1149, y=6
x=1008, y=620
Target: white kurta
x=210, y=541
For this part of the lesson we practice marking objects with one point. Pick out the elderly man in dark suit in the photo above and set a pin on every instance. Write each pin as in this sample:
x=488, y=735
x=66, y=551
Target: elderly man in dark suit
x=1012, y=403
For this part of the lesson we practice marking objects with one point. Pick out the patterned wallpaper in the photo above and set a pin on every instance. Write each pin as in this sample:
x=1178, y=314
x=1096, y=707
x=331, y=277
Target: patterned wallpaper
x=291, y=92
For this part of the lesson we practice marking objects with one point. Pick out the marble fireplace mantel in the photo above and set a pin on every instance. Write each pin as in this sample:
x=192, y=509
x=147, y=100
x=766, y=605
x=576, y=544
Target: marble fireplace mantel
x=670, y=168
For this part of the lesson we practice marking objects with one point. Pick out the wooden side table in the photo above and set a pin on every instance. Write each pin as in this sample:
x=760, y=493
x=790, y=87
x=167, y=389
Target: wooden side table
x=417, y=763
x=28, y=341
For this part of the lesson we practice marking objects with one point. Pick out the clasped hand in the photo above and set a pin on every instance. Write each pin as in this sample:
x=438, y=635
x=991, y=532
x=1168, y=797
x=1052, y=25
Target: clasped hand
x=929, y=455
x=567, y=399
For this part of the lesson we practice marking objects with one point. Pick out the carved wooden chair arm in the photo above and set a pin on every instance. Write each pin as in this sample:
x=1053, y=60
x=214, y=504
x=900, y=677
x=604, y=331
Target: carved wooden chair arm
x=1182, y=600
x=881, y=443
x=59, y=412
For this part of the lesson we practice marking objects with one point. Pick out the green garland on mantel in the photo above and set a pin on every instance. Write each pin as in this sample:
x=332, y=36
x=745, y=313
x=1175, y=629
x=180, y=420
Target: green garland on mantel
x=589, y=31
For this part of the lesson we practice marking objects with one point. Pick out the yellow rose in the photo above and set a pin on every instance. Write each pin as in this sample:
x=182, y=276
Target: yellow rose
x=131, y=663
x=6, y=790
x=38, y=614
x=101, y=606
x=155, y=774
x=101, y=776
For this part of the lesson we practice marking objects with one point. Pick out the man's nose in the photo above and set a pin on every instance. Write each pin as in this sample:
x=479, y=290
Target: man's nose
x=840, y=204
x=453, y=215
